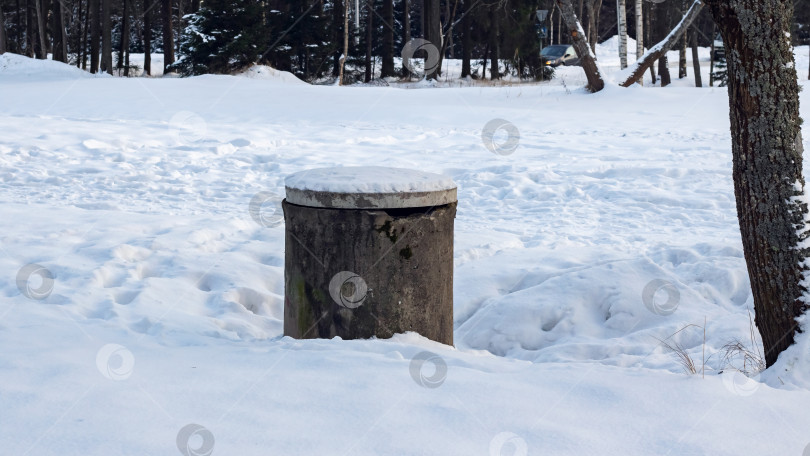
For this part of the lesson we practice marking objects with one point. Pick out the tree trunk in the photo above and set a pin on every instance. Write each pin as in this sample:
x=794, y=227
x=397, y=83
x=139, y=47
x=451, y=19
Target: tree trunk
x=494, y=64
x=30, y=39
x=766, y=149
x=3, y=36
x=337, y=20
x=59, y=35
x=179, y=31
x=432, y=32
x=124, y=50
x=466, y=42
x=682, y=59
x=621, y=10
x=95, y=34
x=639, y=29
x=590, y=5
x=147, y=40
x=387, y=69
x=648, y=39
x=345, y=40
x=695, y=60
x=369, y=37
x=406, y=30
x=588, y=60
x=168, y=34
x=106, y=36
x=663, y=70
x=82, y=51
x=42, y=31
x=660, y=50
x=682, y=49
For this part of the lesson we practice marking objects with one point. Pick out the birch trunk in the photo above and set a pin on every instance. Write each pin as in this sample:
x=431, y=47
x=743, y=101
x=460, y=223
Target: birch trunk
x=660, y=50
x=621, y=10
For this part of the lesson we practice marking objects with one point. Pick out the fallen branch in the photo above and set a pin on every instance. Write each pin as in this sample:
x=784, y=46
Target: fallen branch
x=586, y=57
x=636, y=71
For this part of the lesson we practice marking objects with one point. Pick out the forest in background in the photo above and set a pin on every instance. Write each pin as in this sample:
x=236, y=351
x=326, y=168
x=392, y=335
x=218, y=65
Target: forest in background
x=307, y=38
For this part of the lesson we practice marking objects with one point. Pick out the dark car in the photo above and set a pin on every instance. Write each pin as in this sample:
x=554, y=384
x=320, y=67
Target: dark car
x=559, y=54
x=719, y=48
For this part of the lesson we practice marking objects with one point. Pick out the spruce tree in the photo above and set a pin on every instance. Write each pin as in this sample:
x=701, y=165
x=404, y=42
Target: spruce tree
x=221, y=37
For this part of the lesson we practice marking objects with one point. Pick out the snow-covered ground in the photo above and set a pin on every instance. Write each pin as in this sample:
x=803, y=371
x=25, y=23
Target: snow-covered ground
x=167, y=297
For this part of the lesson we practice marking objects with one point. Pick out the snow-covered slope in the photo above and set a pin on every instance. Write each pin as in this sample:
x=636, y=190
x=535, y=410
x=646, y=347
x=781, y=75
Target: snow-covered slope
x=134, y=195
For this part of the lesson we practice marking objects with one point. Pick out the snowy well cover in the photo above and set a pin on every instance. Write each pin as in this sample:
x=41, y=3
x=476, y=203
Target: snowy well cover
x=368, y=179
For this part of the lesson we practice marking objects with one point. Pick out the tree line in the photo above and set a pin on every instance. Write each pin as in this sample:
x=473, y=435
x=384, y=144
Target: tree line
x=308, y=37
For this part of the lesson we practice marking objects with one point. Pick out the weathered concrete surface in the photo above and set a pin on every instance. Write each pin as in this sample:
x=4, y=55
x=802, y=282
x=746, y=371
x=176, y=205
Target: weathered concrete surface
x=359, y=200
x=404, y=256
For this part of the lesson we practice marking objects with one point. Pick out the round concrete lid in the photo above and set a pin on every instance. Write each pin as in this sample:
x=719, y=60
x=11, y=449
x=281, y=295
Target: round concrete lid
x=369, y=187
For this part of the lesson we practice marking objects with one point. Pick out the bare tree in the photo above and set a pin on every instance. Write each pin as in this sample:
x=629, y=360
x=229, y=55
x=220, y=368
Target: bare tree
x=621, y=10
x=695, y=60
x=387, y=68
x=345, y=41
x=369, y=38
x=432, y=31
x=147, y=38
x=639, y=29
x=168, y=34
x=106, y=36
x=595, y=80
x=42, y=31
x=3, y=37
x=659, y=50
x=766, y=146
x=95, y=34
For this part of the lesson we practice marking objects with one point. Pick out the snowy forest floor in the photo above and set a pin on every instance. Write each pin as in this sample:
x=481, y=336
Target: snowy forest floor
x=134, y=194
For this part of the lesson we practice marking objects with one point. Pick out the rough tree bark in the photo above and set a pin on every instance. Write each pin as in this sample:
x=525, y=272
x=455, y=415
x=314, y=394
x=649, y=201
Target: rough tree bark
x=168, y=34
x=682, y=51
x=345, y=40
x=660, y=50
x=663, y=70
x=42, y=31
x=123, y=53
x=369, y=38
x=387, y=68
x=106, y=36
x=695, y=60
x=588, y=60
x=406, y=30
x=147, y=40
x=95, y=34
x=494, y=46
x=466, y=42
x=432, y=31
x=766, y=147
x=3, y=38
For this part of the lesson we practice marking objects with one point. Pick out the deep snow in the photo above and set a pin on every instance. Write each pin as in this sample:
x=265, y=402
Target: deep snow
x=134, y=194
